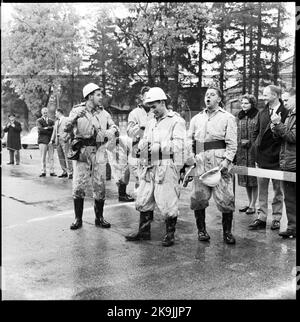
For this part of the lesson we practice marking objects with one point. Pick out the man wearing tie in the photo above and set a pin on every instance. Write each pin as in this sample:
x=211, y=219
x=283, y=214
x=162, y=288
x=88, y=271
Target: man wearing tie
x=45, y=129
x=62, y=141
x=267, y=149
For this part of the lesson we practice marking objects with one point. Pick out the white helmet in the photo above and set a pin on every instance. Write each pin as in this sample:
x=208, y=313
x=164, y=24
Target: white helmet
x=211, y=178
x=154, y=94
x=89, y=88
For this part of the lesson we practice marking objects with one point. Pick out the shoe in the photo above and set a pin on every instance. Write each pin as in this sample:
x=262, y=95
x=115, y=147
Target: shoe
x=63, y=175
x=52, y=174
x=257, y=224
x=10, y=163
x=289, y=233
x=42, y=175
x=275, y=224
x=250, y=211
x=126, y=198
x=70, y=176
x=243, y=209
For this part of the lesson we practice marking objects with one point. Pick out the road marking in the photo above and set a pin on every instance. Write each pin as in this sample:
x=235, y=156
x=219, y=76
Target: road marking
x=69, y=212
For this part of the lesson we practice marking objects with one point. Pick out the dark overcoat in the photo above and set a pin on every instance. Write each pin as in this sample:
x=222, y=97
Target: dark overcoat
x=246, y=123
x=266, y=146
x=13, y=136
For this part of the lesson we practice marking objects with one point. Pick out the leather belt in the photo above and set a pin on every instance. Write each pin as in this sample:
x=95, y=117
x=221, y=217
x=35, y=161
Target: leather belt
x=211, y=145
x=89, y=142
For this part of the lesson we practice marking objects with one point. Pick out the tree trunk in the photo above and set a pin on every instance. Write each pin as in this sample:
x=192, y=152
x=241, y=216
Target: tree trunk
x=223, y=55
x=26, y=117
x=149, y=70
x=200, y=39
x=294, y=65
x=258, y=51
x=244, y=58
x=250, y=61
x=276, y=63
x=176, y=81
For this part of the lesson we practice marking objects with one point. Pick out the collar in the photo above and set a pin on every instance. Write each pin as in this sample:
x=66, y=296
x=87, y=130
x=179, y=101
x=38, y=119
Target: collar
x=275, y=109
x=219, y=108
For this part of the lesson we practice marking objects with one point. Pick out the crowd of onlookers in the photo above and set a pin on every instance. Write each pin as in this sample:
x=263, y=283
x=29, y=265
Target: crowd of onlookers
x=266, y=139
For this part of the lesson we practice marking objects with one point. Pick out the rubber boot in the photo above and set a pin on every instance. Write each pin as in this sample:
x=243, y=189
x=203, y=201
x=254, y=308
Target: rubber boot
x=99, y=221
x=78, y=208
x=227, y=224
x=144, y=228
x=200, y=221
x=168, y=239
x=123, y=196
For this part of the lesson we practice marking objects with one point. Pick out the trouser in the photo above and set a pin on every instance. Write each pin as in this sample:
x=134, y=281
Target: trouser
x=159, y=186
x=289, y=189
x=91, y=167
x=263, y=187
x=223, y=194
x=12, y=154
x=62, y=152
x=44, y=148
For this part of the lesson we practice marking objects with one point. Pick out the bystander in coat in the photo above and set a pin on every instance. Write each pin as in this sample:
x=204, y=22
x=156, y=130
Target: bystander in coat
x=267, y=149
x=287, y=159
x=246, y=123
x=13, y=129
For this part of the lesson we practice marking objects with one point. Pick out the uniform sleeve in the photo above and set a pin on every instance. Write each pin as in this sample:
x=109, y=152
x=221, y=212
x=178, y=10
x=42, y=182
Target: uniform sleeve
x=111, y=127
x=190, y=155
x=70, y=122
x=231, y=138
x=133, y=125
x=177, y=144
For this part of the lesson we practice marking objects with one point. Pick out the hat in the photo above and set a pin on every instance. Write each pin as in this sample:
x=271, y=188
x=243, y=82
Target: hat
x=211, y=178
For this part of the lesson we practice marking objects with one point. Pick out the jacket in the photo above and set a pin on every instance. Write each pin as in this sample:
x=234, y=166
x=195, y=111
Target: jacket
x=44, y=135
x=59, y=134
x=13, y=136
x=287, y=132
x=266, y=146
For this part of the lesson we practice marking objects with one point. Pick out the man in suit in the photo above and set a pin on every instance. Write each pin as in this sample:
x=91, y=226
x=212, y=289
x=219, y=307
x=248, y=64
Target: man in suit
x=267, y=149
x=62, y=141
x=45, y=129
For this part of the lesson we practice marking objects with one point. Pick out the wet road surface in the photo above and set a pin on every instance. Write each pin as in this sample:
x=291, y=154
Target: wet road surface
x=44, y=260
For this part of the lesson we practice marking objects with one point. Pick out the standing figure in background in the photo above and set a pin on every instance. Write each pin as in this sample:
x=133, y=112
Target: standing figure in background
x=287, y=159
x=246, y=123
x=13, y=129
x=45, y=129
x=62, y=141
x=137, y=120
x=267, y=149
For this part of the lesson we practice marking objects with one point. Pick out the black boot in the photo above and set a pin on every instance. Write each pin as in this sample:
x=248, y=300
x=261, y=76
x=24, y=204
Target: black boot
x=170, y=228
x=200, y=221
x=99, y=221
x=123, y=196
x=227, y=224
x=78, y=208
x=144, y=228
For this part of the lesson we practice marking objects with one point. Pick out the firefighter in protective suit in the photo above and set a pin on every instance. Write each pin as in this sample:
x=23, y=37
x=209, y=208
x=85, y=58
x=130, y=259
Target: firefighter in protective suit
x=212, y=142
x=137, y=120
x=91, y=127
x=162, y=151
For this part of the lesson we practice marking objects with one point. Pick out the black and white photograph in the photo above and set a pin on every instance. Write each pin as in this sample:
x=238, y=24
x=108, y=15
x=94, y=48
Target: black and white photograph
x=148, y=154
